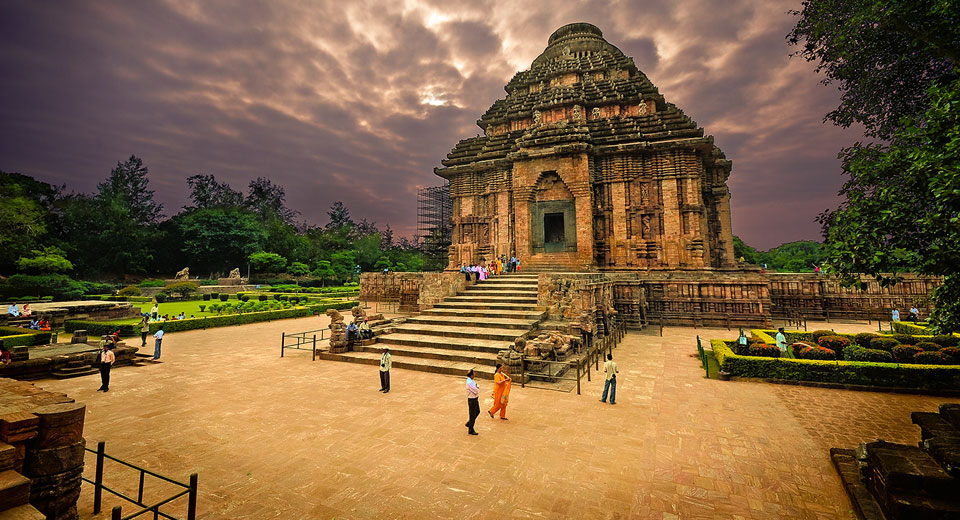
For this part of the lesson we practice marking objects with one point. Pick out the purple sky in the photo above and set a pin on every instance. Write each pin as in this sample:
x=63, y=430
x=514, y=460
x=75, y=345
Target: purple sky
x=359, y=101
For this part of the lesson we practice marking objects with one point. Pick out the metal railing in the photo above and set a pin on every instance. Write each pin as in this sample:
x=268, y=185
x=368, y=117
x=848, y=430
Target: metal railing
x=582, y=365
x=116, y=514
x=306, y=340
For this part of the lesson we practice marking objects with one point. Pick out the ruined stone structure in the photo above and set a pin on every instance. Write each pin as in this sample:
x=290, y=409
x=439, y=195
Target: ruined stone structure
x=584, y=165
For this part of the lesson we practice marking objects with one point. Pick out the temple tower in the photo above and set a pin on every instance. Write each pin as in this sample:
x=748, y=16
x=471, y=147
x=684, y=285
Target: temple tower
x=585, y=166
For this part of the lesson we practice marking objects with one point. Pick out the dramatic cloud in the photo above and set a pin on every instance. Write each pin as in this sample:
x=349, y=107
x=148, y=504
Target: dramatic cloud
x=359, y=101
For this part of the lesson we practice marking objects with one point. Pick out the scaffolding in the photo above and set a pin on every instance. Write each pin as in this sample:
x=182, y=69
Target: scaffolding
x=434, y=224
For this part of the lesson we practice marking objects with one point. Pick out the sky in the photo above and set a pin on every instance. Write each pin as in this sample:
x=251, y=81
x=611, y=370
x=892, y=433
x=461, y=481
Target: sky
x=358, y=101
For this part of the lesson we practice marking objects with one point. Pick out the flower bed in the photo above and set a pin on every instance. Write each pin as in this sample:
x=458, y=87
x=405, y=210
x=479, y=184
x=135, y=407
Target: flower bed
x=870, y=346
x=930, y=377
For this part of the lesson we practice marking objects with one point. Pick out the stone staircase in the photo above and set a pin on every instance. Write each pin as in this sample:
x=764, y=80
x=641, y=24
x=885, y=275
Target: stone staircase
x=462, y=332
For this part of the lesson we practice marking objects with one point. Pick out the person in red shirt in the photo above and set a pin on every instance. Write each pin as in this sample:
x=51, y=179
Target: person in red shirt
x=5, y=357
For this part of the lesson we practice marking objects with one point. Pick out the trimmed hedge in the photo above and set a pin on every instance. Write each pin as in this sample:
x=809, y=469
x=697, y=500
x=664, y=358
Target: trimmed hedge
x=804, y=351
x=18, y=337
x=885, y=344
x=834, y=343
x=905, y=327
x=854, y=353
x=100, y=328
x=931, y=377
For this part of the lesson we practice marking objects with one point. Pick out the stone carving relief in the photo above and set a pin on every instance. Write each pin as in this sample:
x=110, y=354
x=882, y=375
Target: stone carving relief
x=235, y=273
x=645, y=226
x=595, y=112
x=576, y=112
x=642, y=109
x=183, y=274
x=536, y=117
x=566, y=53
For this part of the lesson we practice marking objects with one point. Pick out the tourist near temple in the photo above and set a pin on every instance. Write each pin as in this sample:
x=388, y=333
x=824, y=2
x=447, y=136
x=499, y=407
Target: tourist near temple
x=585, y=165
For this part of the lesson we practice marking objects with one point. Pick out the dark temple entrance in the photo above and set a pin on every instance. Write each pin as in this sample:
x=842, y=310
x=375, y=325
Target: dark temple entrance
x=553, y=233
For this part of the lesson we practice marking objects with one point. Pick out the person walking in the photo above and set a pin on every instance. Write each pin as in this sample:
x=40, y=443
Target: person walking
x=781, y=341
x=144, y=329
x=501, y=392
x=107, y=358
x=385, y=362
x=610, y=372
x=473, y=402
x=159, y=339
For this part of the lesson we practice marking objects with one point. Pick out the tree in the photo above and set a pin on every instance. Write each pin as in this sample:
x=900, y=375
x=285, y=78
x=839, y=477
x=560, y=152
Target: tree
x=324, y=272
x=742, y=250
x=902, y=207
x=343, y=263
x=48, y=260
x=298, y=269
x=884, y=55
x=219, y=239
x=207, y=193
x=267, y=200
x=26, y=216
x=127, y=187
x=267, y=262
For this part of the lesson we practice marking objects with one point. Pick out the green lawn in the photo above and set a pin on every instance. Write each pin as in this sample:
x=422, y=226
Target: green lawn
x=175, y=308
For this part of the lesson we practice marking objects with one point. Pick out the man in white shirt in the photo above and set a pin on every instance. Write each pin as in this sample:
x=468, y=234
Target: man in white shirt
x=385, y=363
x=156, y=348
x=107, y=359
x=473, y=402
x=895, y=315
x=610, y=372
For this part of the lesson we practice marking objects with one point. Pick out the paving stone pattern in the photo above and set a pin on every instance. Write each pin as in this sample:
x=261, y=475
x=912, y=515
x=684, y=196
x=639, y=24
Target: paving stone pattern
x=290, y=438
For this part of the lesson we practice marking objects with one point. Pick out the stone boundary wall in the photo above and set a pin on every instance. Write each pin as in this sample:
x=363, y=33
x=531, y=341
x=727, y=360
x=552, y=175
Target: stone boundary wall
x=413, y=292
x=820, y=296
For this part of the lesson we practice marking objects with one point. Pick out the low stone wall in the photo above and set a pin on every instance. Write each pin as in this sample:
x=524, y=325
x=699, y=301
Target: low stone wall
x=39, y=366
x=58, y=312
x=820, y=296
x=41, y=437
x=413, y=292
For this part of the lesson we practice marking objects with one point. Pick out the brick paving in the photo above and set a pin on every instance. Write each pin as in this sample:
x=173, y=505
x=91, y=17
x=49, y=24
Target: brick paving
x=290, y=438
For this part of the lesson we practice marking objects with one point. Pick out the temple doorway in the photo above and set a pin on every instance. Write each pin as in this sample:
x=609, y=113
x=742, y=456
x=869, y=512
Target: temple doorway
x=553, y=233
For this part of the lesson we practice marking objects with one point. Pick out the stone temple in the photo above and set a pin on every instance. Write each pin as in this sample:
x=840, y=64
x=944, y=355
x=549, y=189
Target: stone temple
x=585, y=166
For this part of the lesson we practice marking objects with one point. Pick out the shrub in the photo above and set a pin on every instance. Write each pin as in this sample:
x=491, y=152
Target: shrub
x=762, y=350
x=161, y=297
x=277, y=297
x=209, y=282
x=886, y=344
x=809, y=352
x=931, y=358
x=239, y=295
x=952, y=355
x=244, y=298
x=946, y=340
x=152, y=283
x=852, y=353
x=214, y=307
x=183, y=289
x=906, y=353
x=224, y=297
x=817, y=334
x=863, y=339
x=130, y=290
x=206, y=297
x=904, y=339
x=262, y=297
x=47, y=298
x=834, y=343
x=214, y=295
x=201, y=307
x=928, y=346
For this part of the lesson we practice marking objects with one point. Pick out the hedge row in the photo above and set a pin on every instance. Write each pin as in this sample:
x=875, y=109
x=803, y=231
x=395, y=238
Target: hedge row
x=17, y=337
x=905, y=327
x=930, y=377
x=99, y=328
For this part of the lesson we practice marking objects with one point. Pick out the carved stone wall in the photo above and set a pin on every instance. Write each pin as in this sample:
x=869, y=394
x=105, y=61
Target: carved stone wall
x=413, y=292
x=819, y=296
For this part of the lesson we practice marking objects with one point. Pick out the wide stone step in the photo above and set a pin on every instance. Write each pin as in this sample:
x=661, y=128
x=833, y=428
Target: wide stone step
x=533, y=313
x=478, y=358
x=465, y=344
x=529, y=307
x=492, y=321
x=15, y=489
x=493, y=299
x=457, y=331
x=436, y=366
x=497, y=291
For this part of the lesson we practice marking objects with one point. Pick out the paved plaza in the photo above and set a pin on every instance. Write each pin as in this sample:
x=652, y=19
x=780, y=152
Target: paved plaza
x=291, y=438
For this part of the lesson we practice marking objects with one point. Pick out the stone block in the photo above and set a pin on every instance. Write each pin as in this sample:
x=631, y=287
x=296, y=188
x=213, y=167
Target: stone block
x=50, y=461
x=24, y=512
x=18, y=426
x=14, y=490
x=8, y=456
x=21, y=353
x=60, y=425
x=56, y=495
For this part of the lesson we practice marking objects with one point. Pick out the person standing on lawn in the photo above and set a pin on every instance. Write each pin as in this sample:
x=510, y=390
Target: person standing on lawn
x=781, y=341
x=155, y=311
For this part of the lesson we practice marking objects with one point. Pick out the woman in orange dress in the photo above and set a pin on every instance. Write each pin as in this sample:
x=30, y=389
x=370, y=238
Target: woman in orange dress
x=501, y=392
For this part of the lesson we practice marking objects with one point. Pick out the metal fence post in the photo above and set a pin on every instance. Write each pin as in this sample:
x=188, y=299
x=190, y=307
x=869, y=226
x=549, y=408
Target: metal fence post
x=192, y=498
x=314, y=348
x=578, y=377
x=283, y=342
x=523, y=379
x=588, y=363
x=98, y=480
x=115, y=514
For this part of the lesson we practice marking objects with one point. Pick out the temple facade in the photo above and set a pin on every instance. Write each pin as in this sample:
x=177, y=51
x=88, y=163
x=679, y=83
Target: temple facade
x=585, y=166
